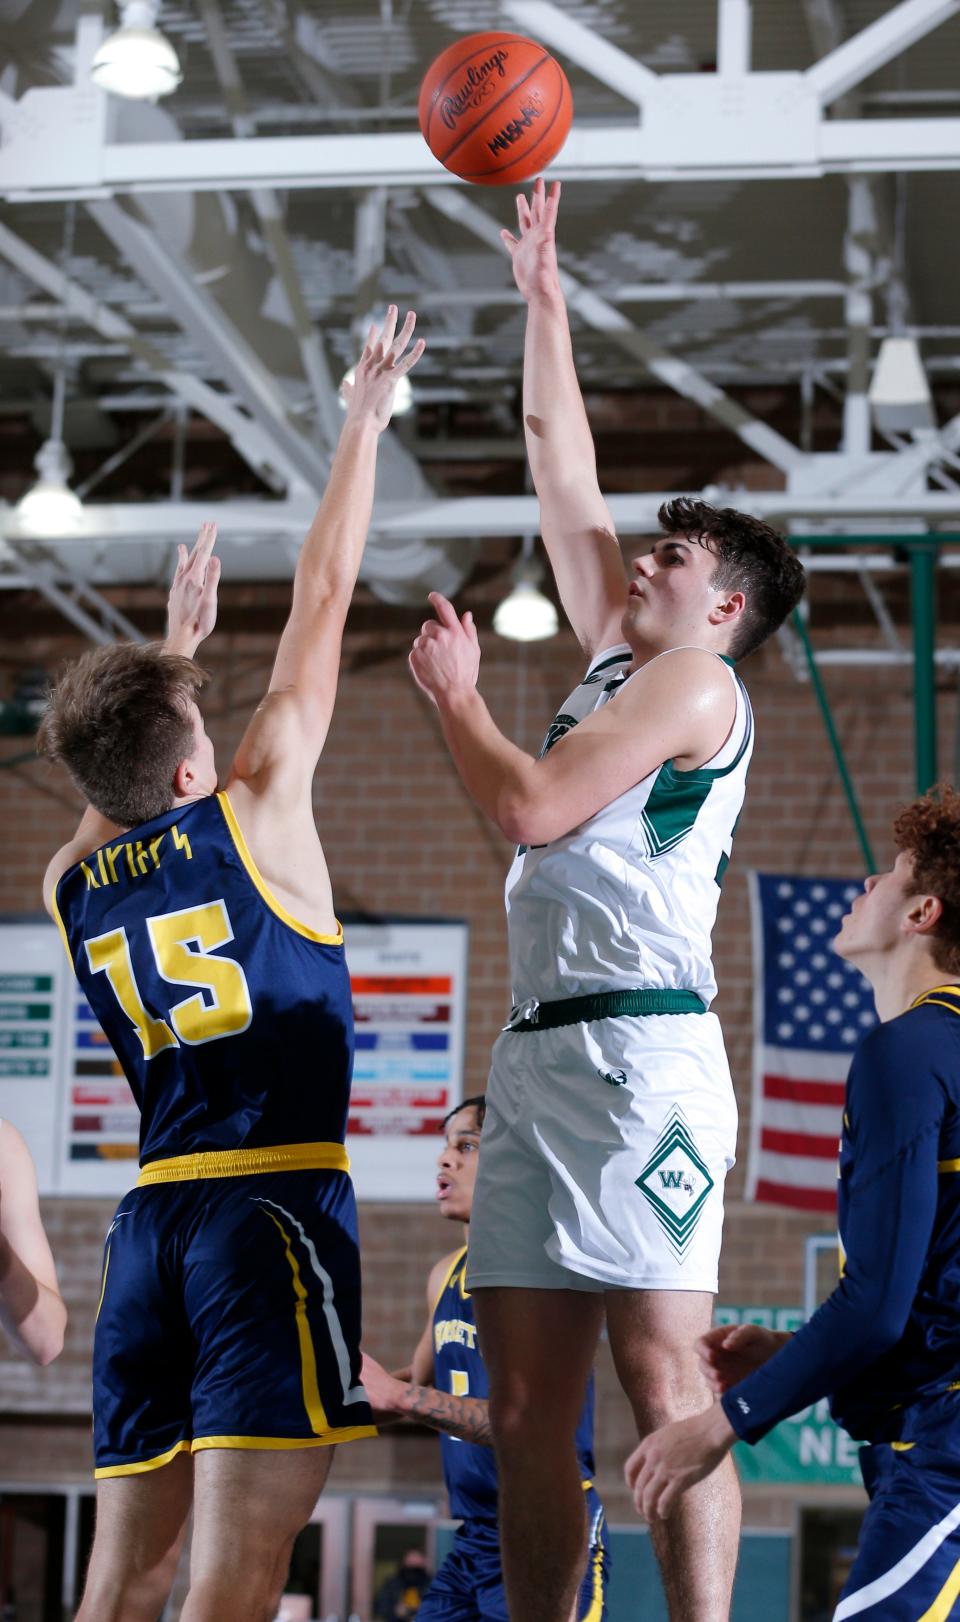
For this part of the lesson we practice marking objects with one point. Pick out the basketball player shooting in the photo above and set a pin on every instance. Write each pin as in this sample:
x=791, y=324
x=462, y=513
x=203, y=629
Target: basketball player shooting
x=611, y=1120
x=202, y=931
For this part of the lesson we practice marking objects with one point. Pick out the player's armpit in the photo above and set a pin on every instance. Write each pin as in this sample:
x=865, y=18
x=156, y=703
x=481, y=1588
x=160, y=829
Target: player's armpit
x=270, y=759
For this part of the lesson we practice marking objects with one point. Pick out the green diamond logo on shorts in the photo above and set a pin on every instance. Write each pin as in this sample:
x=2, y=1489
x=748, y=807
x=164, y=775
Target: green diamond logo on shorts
x=675, y=1182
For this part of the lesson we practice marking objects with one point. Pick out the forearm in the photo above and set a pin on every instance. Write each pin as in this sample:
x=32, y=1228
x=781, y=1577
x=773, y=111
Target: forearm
x=467, y=1418
x=31, y=1313
x=329, y=561
x=499, y=777
x=559, y=442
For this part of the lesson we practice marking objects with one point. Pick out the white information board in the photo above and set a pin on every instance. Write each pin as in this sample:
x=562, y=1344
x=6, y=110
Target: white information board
x=62, y=1085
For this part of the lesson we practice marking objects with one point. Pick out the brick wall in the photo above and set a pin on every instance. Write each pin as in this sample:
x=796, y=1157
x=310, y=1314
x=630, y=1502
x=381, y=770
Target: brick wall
x=401, y=835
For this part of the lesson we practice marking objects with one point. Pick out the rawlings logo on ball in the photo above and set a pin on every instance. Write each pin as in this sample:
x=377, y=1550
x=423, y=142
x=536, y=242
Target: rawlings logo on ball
x=474, y=88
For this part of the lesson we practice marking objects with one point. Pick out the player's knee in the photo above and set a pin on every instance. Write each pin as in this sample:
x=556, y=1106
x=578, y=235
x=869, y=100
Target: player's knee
x=524, y=1426
x=665, y=1386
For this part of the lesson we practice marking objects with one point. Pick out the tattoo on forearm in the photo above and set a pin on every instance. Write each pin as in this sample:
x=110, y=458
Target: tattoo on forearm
x=465, y=1417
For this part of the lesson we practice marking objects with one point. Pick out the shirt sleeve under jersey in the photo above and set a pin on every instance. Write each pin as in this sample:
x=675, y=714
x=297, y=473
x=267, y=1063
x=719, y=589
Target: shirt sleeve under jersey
x=895, y=1106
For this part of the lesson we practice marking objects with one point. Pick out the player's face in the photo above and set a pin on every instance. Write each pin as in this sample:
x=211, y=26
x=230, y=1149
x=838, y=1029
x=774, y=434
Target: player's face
x=457, y=1166
x=874, y=923
x=670, y=596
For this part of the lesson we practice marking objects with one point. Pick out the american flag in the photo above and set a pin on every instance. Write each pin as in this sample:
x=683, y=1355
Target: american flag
x=810, y=1010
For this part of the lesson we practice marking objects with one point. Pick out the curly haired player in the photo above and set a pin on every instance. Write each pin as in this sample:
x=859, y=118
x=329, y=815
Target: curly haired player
x=885, y=1346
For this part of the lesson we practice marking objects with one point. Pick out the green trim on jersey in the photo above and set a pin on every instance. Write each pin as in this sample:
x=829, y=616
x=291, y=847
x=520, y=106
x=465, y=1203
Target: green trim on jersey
x=677, y=798
x=593, y=675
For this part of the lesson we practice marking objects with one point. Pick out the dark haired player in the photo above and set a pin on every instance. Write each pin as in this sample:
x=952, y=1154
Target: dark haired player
x=201, y=928
x=447, y=1390
x=885, y=1346
x=612, y=1120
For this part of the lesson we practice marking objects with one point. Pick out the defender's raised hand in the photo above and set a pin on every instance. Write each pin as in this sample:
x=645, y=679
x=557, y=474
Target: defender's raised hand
x=384, y=361
x=192, y=604
x=729, y=1352
x=534, y=249
x=445, y=657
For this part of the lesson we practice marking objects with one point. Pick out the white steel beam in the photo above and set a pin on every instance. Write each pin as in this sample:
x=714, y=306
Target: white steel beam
x=676, y=373
x=219, y=337
x=690, y=134
x=888, y=37
x=734, y=27
x=249, y=443
x=78, y=601
x=584, y=46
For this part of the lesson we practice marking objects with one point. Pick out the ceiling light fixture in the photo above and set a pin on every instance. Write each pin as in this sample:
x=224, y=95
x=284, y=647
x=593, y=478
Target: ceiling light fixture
x=50, y=507
x=526, y=615
x=136, y=60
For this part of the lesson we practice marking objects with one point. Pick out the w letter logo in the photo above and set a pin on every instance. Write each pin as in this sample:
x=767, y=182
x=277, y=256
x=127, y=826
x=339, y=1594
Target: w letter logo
x=671, y=1179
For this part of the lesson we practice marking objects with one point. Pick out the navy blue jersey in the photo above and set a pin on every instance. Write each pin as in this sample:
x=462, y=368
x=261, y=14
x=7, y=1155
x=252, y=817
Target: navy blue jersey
x=885, y=1346
x=232, y=1021
x=469, y=1469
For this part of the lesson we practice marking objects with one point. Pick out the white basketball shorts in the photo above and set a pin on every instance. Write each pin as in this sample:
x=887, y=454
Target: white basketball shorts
x=604, y=1152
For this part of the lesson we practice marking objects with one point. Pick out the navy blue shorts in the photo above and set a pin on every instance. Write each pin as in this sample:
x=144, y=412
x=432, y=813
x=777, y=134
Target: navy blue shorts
x=229, y=1317
x=908, y=1560
x=469, y=1585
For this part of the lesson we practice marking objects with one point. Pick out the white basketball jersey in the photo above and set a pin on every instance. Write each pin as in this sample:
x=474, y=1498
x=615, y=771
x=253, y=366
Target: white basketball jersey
x=629, y=898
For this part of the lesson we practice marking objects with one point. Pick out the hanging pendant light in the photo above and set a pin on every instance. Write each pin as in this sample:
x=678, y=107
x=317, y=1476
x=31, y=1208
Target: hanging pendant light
x=50, y=507
x=136, y=60
x=526, y=615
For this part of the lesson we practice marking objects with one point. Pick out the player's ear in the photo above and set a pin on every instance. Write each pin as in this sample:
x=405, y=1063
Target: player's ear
x=183, y=779
x=923, y=916
x=727, y=609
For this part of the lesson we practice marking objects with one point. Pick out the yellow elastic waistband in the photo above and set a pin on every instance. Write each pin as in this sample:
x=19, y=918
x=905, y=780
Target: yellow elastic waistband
x=246, y=1162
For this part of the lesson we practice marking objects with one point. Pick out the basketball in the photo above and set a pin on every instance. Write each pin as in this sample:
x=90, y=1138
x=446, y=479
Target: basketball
x=495, y=108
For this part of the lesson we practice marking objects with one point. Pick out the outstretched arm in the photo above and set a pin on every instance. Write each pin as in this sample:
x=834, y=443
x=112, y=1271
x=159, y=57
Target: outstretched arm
x=31, y=1306
x=284, y=740
x=575, y=520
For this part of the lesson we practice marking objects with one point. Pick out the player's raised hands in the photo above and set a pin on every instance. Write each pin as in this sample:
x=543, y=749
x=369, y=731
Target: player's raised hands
x=445, y=658
x=192, y=604
x=385, y=359
x=729, y=1352
x=534, y=249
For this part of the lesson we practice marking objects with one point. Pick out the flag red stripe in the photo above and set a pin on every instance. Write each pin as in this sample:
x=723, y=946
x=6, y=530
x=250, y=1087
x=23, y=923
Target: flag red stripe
x=798, y=1143
x=804, y=1092
x=804, y=1199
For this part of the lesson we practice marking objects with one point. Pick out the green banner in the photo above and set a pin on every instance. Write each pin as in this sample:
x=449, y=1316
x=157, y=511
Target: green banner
x=809, y=1447
x=21, y=985
x=17, y=1011
x=24, y=1067
x=25, y=1039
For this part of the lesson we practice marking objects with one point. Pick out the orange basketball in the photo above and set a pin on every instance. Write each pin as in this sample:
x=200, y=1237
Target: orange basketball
x=495, y=108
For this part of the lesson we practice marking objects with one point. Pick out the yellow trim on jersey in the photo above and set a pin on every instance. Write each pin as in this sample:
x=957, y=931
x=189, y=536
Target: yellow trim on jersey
x=948, y=1165
x=329, y=1438
x=595, y=1609
x=942, y=1607
x=931, y=991
x=902, y=1447
x=316, y=1413
x=458, y=1258
x=143, y=1465
x=58, y=920
x=935, y=1002
x=343, y=1433
x=253, y=872
x=245, y=1162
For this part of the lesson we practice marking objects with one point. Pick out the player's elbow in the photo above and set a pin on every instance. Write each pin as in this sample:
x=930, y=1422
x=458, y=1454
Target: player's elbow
x=46, y=1342
x=527, y=818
